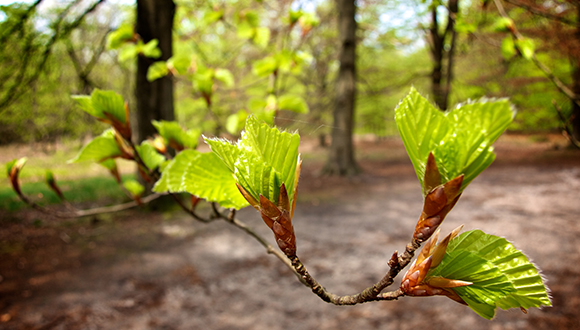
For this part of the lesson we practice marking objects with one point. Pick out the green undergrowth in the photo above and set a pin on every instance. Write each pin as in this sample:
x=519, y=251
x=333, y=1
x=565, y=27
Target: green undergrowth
x=75, y=191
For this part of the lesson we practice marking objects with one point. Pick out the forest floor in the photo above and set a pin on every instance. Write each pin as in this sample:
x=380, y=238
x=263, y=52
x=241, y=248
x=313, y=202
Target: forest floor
x=162, y=270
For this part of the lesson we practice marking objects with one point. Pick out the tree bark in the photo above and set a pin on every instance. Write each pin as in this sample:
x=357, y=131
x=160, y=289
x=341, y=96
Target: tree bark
x=441, y=77
x=341, y=154
x=154, y=99
x=576, y=79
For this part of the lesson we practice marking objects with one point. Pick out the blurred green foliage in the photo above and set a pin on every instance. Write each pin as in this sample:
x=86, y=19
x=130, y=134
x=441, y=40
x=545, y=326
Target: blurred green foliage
x=253, y=57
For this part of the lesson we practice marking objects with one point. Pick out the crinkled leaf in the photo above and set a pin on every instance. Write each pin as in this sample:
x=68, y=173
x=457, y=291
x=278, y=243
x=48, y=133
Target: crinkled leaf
x=203, y=175
x=9, y=166
x=461, y=140
x=265, y=159
x=478, y=257
x=157, y=70
x=134, y=187
x=109, y=164
x=99, y=149
x=292, y=103
x=172, y=131
x=149, y=155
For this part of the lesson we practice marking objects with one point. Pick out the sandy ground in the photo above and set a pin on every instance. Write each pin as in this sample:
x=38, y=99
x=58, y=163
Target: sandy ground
x=162, y=270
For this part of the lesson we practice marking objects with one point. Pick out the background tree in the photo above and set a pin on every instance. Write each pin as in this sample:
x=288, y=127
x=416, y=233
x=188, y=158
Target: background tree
x=154, y=98
x=341, y=154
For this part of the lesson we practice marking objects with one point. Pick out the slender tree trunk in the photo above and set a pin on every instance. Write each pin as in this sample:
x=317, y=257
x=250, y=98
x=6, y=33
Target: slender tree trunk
x=576, y=79
x=440, y=79
x=154, y=99
x=341, y=154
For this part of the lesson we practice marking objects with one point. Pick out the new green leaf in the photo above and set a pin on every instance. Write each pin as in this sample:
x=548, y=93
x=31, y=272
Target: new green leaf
x=149, y=155
x=461, y=139
x=103, y=105
x=157, y=70
x=101, y=148
x=203, y=175
x=262, y=159
x=502, y=276
x=176, y=136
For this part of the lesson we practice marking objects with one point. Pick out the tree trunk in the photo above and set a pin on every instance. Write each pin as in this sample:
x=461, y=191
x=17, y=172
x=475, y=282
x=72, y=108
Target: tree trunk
x=576, y=79
x=341, y=154
x=154, y=99
x=440, y=82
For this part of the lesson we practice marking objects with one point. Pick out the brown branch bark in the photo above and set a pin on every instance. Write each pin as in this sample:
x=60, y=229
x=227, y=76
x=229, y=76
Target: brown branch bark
x=540, y=12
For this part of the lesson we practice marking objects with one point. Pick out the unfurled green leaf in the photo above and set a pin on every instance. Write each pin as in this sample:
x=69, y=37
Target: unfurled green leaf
x=118, y=37
x=265, y=66
x=99, y=149
x=101, y=103
x=203, y=80
x=157, y=70
x=224, y=76
x=149, y=155
x=294, y=16
x=508, y=47
x=502, y=276
x=461, y=139
x=292, y=103
x=203, y=175
x=134, y=188
x=176, y=136
x=526, y=47
x=180, y=63
x=265, y=158
x=151, y=50
x=128, y=52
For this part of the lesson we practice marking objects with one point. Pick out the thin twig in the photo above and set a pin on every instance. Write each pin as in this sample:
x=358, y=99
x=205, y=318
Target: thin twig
x=566, y=125
x=549, y=74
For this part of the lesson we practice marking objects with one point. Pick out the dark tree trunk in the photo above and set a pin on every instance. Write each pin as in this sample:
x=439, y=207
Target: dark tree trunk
x=154, y=99
x=576, y=79
x=341, y=154
x=441, y=79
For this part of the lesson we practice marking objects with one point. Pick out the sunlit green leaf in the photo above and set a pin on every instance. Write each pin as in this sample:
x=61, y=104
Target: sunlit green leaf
x=526, y=47
x=149, y=155
x=203, y=175
x=265, y=159
x=101, y=103
x=508, y=47
x=151, y=50
x=503, y=24
x=180, y=63
x=461, y=140
x=157, y=70
x=134, y=187
x=172, y=132
x=117, y=38
x=99, y=149
x=502, y=276
x=128, y=52
x=265, y=66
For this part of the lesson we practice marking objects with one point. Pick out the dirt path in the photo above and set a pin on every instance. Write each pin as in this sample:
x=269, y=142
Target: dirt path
x=161, y=271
